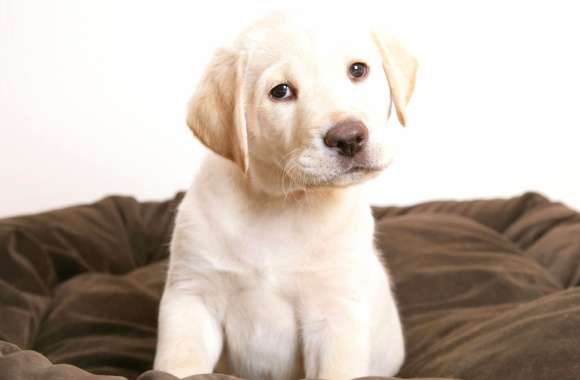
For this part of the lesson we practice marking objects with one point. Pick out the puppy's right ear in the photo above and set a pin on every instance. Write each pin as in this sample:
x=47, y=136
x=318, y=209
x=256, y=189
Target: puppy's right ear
x=216, y=112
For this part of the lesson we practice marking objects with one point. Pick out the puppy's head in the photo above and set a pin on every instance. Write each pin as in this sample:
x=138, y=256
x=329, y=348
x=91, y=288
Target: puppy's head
x=299, y=106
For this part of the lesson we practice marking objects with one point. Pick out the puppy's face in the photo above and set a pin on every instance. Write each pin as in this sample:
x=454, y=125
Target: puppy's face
x=299, y=106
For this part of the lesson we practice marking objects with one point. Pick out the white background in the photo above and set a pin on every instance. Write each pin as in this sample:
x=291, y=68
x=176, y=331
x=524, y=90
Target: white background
x=93, y=94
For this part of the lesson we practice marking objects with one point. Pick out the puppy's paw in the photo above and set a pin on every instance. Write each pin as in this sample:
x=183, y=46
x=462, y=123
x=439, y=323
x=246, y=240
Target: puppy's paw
x=181, y=368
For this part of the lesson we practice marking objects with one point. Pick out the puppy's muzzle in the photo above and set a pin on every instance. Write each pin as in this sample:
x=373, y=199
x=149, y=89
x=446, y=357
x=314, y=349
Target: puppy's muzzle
x=348, y=137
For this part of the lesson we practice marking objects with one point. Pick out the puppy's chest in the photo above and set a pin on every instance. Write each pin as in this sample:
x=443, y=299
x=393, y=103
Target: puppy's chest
x=281, y=278
x=270, y=265
x=283, y=254
x=265, y=248
x=276, y=262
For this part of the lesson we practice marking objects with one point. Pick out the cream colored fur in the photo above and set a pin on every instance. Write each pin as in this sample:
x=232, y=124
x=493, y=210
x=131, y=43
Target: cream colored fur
x=273, y=271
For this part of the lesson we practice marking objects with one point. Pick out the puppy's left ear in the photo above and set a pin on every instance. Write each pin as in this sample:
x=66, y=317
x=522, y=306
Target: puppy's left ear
x=400, y=68
x=216, y=112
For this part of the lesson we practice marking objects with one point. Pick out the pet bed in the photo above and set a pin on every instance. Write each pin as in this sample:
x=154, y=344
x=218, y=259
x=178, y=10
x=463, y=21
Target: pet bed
x=488, y=289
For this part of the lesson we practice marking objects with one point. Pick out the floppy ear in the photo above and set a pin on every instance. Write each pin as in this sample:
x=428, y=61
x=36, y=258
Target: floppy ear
x=216, y=112
x=400, y=68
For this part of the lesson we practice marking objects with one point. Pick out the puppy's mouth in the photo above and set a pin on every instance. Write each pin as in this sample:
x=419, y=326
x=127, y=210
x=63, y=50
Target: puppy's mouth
x=365, y=169
x=353, y=174
x=358, y=173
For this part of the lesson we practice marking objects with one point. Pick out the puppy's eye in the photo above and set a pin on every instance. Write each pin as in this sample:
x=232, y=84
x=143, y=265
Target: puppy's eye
x=358, y=71
x=282, y=92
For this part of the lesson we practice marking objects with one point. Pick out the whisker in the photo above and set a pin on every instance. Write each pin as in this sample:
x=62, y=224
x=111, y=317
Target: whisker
x=289, y=169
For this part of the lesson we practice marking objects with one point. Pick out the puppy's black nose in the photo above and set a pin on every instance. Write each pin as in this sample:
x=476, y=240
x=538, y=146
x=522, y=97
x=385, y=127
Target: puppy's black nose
x=348, y=137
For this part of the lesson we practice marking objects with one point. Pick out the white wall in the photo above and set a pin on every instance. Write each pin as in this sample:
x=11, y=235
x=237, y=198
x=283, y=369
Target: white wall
x=93, y=93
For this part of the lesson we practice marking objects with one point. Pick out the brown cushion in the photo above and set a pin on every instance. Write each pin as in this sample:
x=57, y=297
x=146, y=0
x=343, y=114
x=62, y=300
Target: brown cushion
x=487, y=289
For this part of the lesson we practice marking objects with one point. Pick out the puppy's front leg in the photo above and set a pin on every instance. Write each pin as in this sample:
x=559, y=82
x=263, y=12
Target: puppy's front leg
x=336, y=345
x=190, y=339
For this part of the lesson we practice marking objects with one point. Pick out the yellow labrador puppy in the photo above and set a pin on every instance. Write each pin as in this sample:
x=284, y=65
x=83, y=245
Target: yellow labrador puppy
x=273, y=272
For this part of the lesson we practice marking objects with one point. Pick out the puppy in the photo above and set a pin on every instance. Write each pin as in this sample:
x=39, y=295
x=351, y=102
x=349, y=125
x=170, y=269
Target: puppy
x=273, y=272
